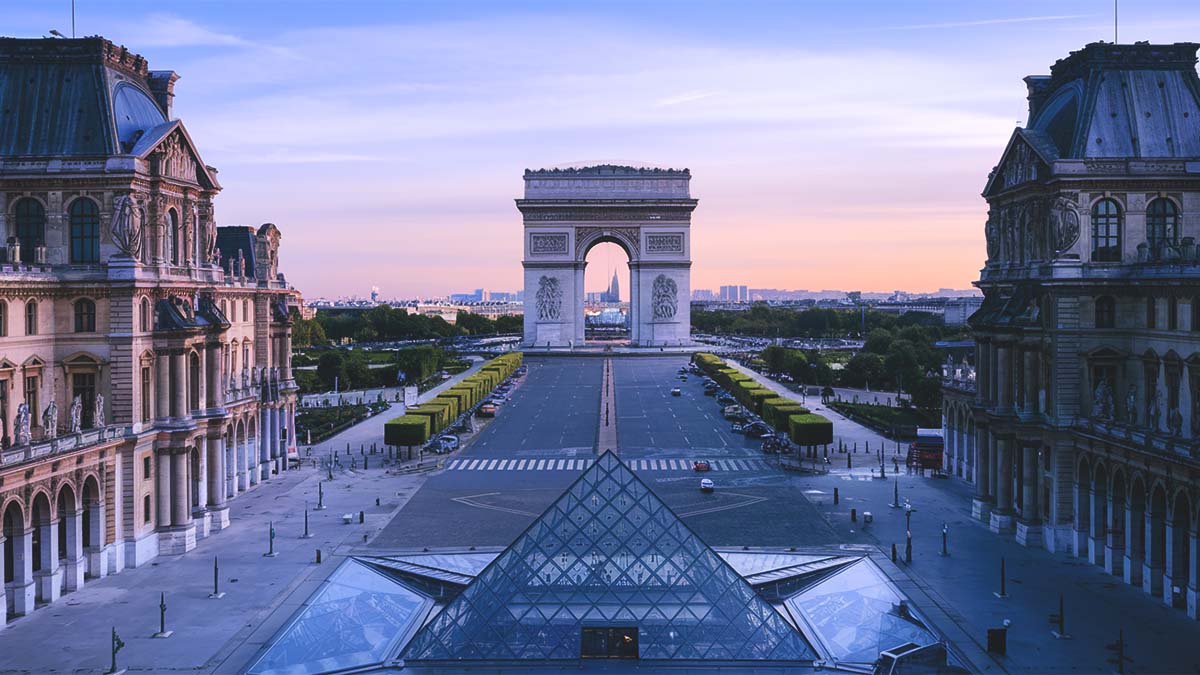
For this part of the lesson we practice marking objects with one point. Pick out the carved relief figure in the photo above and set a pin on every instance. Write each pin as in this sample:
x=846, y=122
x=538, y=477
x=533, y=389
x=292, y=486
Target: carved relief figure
x=549, y=299
x=1064, y=225
x=127, y=227
x=76, y=413
x=24, y=437
x=664, y=297
x=50, y=420
x=991, y=232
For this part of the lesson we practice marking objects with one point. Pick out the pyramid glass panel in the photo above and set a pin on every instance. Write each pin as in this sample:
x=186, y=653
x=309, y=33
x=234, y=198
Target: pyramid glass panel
x=354, y=620
x=608, y=553
x=857, y=613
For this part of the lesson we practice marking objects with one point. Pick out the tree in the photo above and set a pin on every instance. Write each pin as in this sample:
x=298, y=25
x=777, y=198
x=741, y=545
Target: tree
x=878, y=341
x=863, y=370
x=927, y=393
x=776, y=358
x=331, y=368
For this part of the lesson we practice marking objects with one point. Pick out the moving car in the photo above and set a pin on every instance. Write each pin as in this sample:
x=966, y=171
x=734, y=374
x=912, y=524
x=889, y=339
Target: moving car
x=710, y=391
x=487, y=410
x=701, y=465
x=756, y=429
x=726, y=399
x=676, y=392
x=449, y=442
x=706, y=485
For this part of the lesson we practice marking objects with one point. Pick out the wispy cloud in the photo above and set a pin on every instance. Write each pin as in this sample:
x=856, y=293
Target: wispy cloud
x=989, y=22
x=688, y=97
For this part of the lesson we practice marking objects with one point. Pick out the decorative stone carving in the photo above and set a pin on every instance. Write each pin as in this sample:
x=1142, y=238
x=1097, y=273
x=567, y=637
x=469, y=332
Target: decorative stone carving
x=1131, y=405
x=549, y=299
x=1064, y=225
x=991, y=233
x=76, y=413
x=664, y=243
x=127, y=227
x=1021, y=166
x=99, y=413
x=1175, y=422
x=50, y=420
x=1152, y=411
x=548, y=244
x=664, y=298
x=24, y=436
x=1102, y=401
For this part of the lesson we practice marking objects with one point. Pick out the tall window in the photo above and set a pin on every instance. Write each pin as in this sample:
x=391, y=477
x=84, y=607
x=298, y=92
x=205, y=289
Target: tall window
x=144, y=316
x=83, y=385
x=245, y=310
x=194, y=382
x=85, y=231
x=85, y=316
x=146, y=394
x=1106, y=312
x=233, y=311
x=146, y=509
x=173, y=235
x=31, y=398
x=3, y=318
x=1172, y=313
x=31, y=318
x=1162, y=225
x=1106, y=231
x=31, y=227
x=1151, y=313
x=146, y=473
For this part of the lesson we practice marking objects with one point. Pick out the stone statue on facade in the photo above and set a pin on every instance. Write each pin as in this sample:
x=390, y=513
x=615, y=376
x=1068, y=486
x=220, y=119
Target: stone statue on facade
x=76, y=414
x=1131, y=405
x=127, y=227
x=245, y=378
x=50, y=420
x=99, y=416
x=664, y=297
x=1153, y=411
x=1102, y=401
x=549, y=299
x=991, y=233
x=1175, y=422
x=24, y=435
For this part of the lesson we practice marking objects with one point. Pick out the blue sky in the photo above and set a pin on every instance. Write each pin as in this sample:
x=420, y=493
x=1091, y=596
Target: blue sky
x=833, y=144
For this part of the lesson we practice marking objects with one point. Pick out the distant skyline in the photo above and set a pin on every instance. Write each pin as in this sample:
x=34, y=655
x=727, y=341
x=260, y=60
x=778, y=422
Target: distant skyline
x=832, y=144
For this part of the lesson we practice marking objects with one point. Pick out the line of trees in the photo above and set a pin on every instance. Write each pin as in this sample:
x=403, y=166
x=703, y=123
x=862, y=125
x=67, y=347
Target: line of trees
x=765, y=321
x=385, y=323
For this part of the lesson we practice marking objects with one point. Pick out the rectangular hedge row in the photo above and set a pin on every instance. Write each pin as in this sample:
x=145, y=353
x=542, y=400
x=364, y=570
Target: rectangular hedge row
x=783, y=414
x=421, y=422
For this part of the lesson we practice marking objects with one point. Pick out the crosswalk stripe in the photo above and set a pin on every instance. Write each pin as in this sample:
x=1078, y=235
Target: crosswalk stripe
x=504, y=464
x=473, y=463
x=581, y=464
x=541, y=464
x=452, y=465
x=561, y=462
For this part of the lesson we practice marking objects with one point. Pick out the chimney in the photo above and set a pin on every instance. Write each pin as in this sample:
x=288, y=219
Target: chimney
x=162, y=85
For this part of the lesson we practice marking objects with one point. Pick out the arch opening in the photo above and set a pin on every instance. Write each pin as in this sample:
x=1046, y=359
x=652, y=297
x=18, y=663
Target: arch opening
x=607, y=284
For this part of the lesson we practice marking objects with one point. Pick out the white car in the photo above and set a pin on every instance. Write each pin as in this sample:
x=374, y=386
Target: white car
x=706, y=485
x=449, y=442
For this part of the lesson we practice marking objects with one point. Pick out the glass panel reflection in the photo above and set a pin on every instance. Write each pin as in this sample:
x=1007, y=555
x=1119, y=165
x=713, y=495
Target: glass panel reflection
x=355, y=619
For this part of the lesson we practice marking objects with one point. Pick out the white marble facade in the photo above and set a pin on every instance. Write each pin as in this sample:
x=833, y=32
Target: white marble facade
x=647, y=212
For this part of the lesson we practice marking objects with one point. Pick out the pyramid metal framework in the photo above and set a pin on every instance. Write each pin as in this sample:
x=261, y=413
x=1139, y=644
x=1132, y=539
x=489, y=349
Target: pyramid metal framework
x=608, y=553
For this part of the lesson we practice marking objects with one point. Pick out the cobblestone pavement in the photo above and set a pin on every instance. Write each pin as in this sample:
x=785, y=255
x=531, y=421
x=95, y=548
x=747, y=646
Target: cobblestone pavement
x=963, y=584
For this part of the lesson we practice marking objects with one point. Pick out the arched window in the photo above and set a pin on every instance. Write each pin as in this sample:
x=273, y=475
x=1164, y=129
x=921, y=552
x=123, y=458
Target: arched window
x=144, y=324
x=1106, y=231
x=173, y=237
x=1106, y=312
x=1162, y=225
x=3, y=318
x=31, y=227
x=85, y=231
x=85, y=316
x=31, y=318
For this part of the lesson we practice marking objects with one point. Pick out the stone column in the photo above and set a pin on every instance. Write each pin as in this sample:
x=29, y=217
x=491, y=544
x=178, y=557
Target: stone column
x=1002, y=519
x=1030, y=375
x=1114, y=535
x=75, y=564
x=202, y=375
x=49, y=578
x=1193, y=587
x=179, y=385
x=1135, y=524
x=3, y=572
x=993, y=374
x=1097, y=507
x=201, y=480
x=180, y=508
x=291, y=431
x=252, y=453
x=162, y=386
x=276, y=455
x=217, y=485
x=994, y=470
x=1004, y=391
x=216, y=386
x=24, y=593
x=1170, y=562
x=1152, y=565
x=163, y=489
x=95, y=552
x=264, y=443
x=1029, y=528
x=981, y=506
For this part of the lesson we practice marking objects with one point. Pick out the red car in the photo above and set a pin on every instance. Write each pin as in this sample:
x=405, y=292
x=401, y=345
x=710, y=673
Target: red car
x=701, y=466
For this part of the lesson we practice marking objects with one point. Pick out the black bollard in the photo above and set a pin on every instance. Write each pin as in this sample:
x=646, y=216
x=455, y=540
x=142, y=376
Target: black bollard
x=854, y=515
x=895, y=493
x=908, y=549
x=1003, y=587
x=162, y=617
x=362, y=517
x=216, y=594
x=117, y=645
x=320, y=496
x=848, y=462
x=365, y=460
x=835, y=496
x=271, y=540
x=318, y=556
x=377, y=501
x=307, y=534
x=945, y=539
x=893, y=551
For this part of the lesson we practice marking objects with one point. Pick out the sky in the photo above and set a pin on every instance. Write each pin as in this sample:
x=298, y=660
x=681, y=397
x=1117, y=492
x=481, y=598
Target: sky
x=838, y=144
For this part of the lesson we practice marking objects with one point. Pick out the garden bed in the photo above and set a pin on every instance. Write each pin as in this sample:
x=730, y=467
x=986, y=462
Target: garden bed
x=893, y=422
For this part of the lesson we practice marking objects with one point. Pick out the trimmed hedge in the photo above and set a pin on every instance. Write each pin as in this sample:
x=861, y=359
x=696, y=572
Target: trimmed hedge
x=810, y=429
x=406, y=430
x=776, y=411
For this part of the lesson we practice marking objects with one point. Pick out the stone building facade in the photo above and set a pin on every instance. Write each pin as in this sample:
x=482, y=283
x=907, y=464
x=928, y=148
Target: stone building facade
x=1083, y=418
x=144, y=351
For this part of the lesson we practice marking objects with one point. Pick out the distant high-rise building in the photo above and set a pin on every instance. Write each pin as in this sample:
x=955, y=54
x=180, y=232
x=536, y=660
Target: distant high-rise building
x=743, y=294
x=703, y=294
x=613, y=294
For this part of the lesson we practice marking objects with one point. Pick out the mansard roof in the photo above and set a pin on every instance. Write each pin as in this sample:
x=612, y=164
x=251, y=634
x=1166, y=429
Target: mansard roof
x=232, y=239
x=1106, y=100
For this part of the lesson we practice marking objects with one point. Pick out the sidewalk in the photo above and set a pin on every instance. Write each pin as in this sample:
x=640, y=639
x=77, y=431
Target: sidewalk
x=962, y=584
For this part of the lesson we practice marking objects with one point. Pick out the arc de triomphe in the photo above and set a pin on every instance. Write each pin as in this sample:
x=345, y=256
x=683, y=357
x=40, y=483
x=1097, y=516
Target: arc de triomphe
x=647, y=212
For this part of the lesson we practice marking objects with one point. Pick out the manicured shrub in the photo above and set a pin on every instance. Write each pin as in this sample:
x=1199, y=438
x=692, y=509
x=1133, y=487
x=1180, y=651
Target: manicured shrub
x=407, y=430
x=810, y=429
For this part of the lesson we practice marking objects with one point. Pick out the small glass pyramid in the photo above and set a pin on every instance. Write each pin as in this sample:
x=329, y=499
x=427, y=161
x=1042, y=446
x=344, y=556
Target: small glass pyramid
x=608, y=553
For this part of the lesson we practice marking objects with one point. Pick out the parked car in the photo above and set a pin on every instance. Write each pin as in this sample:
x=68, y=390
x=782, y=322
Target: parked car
x=449, y=442
x=710, y=391
x=676, y=392
x=701, y=465
x=706, y=485
x=487, y=410
x=726, y=399
x=755, y=429
x=683, y=378
x=776, y=443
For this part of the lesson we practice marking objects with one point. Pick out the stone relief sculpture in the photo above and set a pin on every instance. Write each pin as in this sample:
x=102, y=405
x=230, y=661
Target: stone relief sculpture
x=991, y=233
x=99, y=419
x=24, y=437
x=1064, y=225
x=1131, y=405
x=50, y=420
x=76, y=414
x=664, y=297
x=549, y=299
x=127, y=227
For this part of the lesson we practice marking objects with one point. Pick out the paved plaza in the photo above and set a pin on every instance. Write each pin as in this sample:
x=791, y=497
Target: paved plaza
x=487, y=493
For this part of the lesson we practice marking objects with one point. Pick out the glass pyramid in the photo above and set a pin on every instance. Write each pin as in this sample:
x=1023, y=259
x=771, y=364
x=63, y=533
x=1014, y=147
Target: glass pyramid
x=608, y=553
